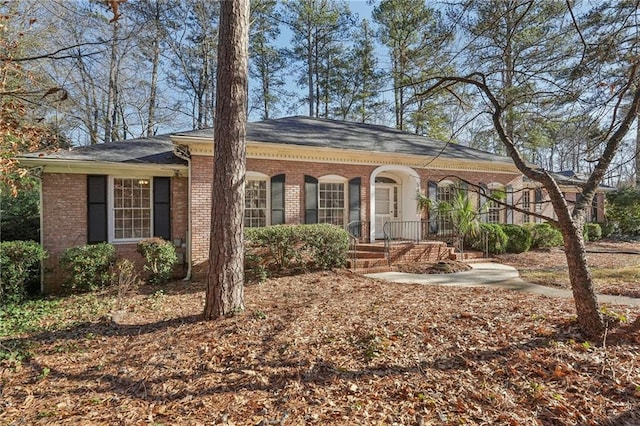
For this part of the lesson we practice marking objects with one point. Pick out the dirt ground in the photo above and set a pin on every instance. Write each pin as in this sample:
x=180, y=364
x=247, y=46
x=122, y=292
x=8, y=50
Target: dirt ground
x=326, y=348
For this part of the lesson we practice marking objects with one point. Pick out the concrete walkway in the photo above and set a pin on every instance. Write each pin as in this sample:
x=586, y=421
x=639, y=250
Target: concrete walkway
x=492, y=275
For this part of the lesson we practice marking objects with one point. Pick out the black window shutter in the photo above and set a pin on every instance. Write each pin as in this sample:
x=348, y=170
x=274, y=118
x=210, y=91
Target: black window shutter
x=509, y=201
x=277, y=200
x=432, y=193
x=482, y=202
x=162, y=207
x=96, y=208
x=310, y=199
x=354, y=199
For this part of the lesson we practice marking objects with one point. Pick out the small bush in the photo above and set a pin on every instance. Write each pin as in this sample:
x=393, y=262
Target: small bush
x=19, y=265
x=89, y=266
x=254, y=270
x=280, y=241
x=607, y=229
x=519, y=238
x=623, y=209
x=125, y=280
x=494, y=236
x=592, y=231
x=160, y=256
x=327, y=245
x=543, y=235
x=281, y=247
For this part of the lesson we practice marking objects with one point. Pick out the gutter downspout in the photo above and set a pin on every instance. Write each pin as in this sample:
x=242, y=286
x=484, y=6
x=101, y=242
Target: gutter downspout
x=183, y=153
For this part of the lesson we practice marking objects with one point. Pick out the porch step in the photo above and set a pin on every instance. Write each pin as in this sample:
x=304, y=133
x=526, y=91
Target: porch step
x=367, y=263
x=468, y=255
x=371, y=247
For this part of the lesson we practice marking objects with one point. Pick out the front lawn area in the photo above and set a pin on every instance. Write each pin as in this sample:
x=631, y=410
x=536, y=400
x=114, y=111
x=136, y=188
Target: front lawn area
x=321, y=348
x=613, y=264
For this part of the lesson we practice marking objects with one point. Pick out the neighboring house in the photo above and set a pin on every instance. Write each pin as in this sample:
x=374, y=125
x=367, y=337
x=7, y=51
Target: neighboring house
x=299, y=170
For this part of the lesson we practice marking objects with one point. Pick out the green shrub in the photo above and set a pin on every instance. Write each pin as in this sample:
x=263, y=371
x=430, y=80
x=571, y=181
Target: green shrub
x=281, y=247
x=281, y=243
x=160, y=257
x=543, y=235
x=20, y=214
x=623, y=209
x=607, y=229
x=493, y=235
x=519, y=238
x=19, y=265
x=592, y=231
x=496, y=238
x=88, y=266
x=327, y=245
x=254, y=270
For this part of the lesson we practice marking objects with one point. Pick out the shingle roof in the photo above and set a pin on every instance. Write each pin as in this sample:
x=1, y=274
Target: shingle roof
x=298, y=130
x=153, y=150
x=323, y=133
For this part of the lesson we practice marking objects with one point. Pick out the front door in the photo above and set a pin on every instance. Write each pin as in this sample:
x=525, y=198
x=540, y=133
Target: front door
x=386, y=206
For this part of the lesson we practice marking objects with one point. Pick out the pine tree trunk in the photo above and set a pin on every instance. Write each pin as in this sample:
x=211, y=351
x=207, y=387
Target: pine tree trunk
x=225, y=281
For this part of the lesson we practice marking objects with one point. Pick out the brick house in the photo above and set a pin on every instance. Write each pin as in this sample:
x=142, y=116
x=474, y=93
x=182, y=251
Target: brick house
x=299, y=170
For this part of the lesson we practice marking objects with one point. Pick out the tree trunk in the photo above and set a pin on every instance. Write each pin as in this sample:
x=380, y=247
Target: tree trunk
x=225, y=281
x=111, y=90
x=153, y=90
x=637, y=157
x=589, y=317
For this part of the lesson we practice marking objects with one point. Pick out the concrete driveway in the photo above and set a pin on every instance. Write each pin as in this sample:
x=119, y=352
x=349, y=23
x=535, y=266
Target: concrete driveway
x=492, y=275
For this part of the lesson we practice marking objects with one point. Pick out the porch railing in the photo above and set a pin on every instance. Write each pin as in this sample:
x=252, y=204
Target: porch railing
x=416, y=231
x=358, y=231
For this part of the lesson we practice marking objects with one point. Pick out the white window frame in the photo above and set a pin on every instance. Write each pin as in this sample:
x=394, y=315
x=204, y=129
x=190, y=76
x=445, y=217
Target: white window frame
x=493, y=206
x=111, y=219
x=526, y=205
x=445, y=223
x=336, y=179
x=257, y=176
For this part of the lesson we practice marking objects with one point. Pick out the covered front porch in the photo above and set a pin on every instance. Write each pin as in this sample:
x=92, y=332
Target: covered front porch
x=406, y=242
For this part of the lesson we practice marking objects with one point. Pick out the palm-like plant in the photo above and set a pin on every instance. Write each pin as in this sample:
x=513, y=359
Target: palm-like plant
x=462, y=214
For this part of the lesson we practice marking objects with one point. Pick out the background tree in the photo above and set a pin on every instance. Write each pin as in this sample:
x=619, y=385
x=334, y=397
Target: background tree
x=414, y=35
x=193, y=58
x=358, y=79
x=267, y=62
x=225, y=279
x=569, y=85
x=25, y=93
x=318, y=28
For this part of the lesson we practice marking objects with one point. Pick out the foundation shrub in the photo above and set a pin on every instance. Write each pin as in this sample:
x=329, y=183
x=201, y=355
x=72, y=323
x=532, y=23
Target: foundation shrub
x=160, y=257
x=544, y=235
x=19, y=266
x=88, y=267
x=519, y=238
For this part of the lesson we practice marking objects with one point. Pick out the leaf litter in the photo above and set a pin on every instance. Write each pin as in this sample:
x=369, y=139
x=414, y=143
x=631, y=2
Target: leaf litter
x=331, y=348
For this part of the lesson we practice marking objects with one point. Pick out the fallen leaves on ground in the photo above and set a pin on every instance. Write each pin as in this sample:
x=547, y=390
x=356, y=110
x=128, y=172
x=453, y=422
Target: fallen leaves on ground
x=442, y=267
x=615, y=267
x=330, y=348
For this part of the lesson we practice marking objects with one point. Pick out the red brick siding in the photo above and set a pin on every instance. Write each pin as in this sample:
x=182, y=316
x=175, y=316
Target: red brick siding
x=64, y=223
x=64, y=220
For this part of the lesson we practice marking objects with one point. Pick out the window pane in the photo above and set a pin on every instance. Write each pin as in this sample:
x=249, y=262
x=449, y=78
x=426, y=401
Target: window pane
x=132, y=208
x=331, y=203
x=255, y=203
